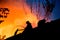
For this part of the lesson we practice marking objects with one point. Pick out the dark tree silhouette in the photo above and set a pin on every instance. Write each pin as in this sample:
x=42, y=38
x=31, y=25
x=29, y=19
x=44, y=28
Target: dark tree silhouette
x=3, y=13
x=1, y=21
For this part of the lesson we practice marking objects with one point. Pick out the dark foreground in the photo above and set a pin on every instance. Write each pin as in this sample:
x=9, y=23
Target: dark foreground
x=44, y=30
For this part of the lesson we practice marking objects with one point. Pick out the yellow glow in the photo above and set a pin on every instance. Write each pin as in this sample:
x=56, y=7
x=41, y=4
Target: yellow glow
x=16, y=19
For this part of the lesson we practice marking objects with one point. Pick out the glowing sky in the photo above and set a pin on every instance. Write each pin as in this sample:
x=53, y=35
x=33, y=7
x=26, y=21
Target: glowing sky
x=20, y=12
x=17, y=17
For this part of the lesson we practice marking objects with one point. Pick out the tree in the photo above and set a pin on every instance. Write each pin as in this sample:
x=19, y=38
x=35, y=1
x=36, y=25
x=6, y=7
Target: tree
x=3, y=13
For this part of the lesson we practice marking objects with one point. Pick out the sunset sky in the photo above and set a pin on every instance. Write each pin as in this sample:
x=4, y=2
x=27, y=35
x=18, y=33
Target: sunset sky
x=19, y=13
x=17, y=17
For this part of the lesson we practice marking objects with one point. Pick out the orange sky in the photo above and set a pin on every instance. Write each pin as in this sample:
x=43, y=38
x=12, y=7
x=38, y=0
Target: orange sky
x=17, y=18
